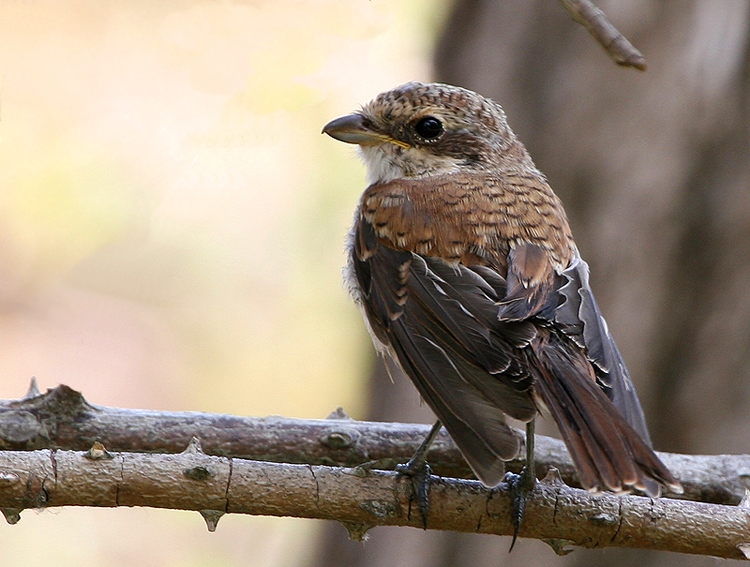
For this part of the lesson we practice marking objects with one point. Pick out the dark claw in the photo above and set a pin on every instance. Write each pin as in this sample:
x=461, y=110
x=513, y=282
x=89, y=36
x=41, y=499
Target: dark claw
x=520, y=486
x=419, y=472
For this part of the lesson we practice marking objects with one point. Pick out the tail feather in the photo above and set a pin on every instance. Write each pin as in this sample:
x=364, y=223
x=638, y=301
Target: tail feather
x=607, y=451
x=579, y=318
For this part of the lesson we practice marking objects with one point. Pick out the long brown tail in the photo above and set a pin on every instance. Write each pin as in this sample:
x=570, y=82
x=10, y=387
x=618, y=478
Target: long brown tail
x=607, y=452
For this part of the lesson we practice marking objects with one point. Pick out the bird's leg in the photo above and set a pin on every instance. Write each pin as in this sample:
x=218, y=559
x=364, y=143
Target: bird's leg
x=522, y=484
x=419, y=472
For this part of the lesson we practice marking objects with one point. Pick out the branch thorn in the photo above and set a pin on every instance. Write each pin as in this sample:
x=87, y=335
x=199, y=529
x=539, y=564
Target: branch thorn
x=33, y=390
x=212, y=518
x=98, y=452
x=194, y=447
x=12, y=515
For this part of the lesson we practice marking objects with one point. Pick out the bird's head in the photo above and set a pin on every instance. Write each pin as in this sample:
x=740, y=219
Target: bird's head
x=420, y=130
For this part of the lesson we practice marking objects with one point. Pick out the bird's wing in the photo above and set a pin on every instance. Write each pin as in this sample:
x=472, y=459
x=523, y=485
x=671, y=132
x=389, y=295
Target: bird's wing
x=574, y=360
x=441, y=322
x=531, y=283
x=578, y=315
x=567, y=302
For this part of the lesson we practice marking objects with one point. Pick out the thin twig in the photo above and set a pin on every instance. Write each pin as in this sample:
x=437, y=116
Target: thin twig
x=609, y=37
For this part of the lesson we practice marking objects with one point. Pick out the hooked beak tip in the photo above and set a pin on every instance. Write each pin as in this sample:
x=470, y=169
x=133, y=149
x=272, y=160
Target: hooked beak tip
x=349, y=128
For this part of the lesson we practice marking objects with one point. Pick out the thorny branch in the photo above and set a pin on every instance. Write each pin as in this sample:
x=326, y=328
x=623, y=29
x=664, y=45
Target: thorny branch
x=158, y=474
x=362, y=499
x=62, y=419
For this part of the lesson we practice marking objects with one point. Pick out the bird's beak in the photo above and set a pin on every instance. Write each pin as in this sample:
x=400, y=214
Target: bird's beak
x=352, y=130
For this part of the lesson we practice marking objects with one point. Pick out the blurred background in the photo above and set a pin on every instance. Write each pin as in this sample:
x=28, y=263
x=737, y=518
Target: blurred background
x=172, y=227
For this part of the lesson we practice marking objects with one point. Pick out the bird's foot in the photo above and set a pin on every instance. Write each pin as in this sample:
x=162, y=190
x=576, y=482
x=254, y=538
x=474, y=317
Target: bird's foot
x=419, y=473
x=520, y=486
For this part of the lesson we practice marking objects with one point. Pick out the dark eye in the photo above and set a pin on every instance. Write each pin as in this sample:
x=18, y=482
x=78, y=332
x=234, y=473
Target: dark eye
x=429, y=127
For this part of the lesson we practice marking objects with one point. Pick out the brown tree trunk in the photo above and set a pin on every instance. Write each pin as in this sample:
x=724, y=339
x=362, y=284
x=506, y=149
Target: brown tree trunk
x=654, y=169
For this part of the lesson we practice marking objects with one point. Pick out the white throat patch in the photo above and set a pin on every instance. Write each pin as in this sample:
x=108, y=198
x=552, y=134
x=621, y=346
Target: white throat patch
x=384, y=163
x=381, y=167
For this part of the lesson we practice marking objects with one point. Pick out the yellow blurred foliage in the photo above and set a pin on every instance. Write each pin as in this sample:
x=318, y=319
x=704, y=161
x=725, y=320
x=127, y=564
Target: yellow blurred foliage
x=66, y=211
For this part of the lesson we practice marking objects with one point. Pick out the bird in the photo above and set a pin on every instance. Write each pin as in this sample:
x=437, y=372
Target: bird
x=462, y=260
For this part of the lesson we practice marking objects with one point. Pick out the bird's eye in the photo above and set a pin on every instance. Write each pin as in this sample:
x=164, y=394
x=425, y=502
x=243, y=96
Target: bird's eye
x=429, y=128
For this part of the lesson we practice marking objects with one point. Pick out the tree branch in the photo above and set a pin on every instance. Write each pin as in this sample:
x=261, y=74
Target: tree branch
x=361, y=499
x=617, y=46
x=35, y=472
x=62, y=419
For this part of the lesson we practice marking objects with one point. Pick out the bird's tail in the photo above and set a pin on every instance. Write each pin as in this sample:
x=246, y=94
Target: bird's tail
x=607, y=451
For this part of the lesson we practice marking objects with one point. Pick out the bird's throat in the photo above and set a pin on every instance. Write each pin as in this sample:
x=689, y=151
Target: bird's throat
x=388, y=162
